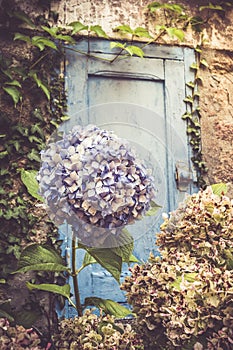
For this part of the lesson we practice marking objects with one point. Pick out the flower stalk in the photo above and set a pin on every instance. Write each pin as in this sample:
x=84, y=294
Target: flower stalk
x=75, y=278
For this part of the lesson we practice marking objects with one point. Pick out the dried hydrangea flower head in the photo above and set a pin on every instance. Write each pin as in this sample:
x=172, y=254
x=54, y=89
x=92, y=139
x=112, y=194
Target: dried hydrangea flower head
x=94, y=178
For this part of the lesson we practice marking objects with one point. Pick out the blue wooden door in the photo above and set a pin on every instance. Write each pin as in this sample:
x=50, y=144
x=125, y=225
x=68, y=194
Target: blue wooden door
x=141, y=100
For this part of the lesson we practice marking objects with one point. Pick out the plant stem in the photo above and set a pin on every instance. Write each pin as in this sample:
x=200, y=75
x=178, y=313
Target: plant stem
x=75, y=278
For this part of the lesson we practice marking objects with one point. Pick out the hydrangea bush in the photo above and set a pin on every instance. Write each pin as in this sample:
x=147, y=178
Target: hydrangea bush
x=93, y=180
x=18, y=338
x=94, y=332
x=183, y=299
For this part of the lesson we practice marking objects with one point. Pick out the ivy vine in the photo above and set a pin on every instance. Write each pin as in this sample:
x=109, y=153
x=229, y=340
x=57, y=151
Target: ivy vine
x=26, y=122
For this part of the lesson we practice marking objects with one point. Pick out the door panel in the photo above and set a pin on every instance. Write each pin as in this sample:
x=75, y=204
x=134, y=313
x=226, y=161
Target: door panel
x=141, y=100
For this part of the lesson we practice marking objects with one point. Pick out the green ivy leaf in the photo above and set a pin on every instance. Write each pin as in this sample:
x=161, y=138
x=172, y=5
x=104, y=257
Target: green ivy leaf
x=77, y=27
x=191, y=84
x=219, y=189
x=98, y=30
x=204, y=63
x=108, y=306
x=53, y=288
x=14, y=94
x=194, y=66
x=40, y=85
x=28, y=178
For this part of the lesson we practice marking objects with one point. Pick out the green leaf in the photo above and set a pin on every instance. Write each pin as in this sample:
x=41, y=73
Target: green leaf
x=66, y=38
x=109, y=306
x=114, y=44
x=65, y=117
x=14, y=93
x=37, y=129
x=107, y=258
x=154, y=6
x=142, y=32
x=134, y=50
x=51, y=31
x=175, y=32
x=88, y=259
x=24, y=18
x=3, y=154
x=122, y=245
x=41, y=85
x=27, y=318
x=41, y=42
x=219, y=189
x=34, y=155
x=28, y=178
x=53, y=267
x=211, y=7
x=53, y=288
x=77, y=27
x=153, y=209
x=35, y=254
x=14, y=83
x=191, y=84
x=124, y=29
x=98, y=30
x=203, y=62
x=228, y=254
x=22, y=37
x=133, y=259
x=4, y=314
x=194, y=66
x=189, y=277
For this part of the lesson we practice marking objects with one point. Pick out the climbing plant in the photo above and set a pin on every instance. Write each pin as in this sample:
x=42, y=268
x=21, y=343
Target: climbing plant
x=33, y=104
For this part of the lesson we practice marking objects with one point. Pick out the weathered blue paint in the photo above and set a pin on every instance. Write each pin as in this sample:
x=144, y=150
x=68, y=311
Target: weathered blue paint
x=142, y=101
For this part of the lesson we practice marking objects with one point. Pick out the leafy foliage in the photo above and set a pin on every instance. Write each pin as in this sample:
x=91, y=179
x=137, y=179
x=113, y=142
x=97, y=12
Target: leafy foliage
x=183, y=299
x=96, y=332
x=18, y=337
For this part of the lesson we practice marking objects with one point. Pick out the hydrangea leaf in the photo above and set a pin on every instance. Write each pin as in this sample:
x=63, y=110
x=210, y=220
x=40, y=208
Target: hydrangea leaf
x=36, y=254
x=53, y=288
x=107, y=258
x=122, y=244
x=108, y=306
x=43, y=267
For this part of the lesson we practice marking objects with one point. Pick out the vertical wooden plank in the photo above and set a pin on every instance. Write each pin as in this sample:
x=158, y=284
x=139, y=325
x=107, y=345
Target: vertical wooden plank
x=176, y=127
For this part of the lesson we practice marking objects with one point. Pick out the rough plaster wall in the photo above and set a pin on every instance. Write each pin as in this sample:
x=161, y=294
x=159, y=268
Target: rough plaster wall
x=217, y=90
x=217, y=116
